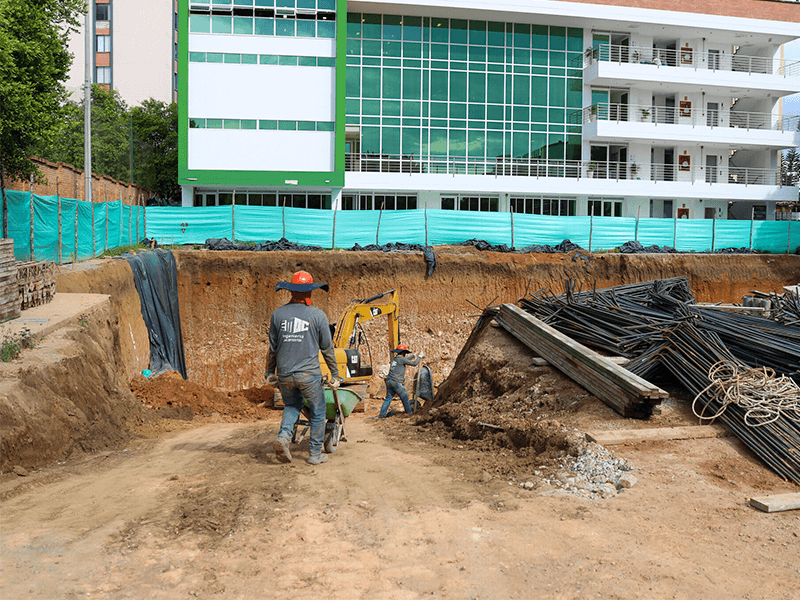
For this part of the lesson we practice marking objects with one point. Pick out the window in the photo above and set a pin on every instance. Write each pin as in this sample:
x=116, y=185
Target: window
x=605, y=207
x=543, y=206
x=379, y=202
x=102, y=43
x=102, y=12
x=103, y=75
x=471, y=203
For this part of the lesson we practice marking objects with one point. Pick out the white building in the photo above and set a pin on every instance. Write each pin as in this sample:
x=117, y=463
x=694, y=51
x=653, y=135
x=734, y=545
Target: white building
x=535, y=106
x=134, y=50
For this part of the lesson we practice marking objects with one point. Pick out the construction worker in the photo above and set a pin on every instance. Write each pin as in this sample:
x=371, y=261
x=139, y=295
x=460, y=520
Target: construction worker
x=396, y=377
x=297, y=332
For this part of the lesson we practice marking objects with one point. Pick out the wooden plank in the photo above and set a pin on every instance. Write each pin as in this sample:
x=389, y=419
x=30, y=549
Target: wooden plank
x=627, y=436
x=777, y=503
x=628, y=394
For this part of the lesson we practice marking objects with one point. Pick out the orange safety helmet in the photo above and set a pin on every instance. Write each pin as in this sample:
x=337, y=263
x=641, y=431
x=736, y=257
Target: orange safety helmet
x=301, y=282
x=401, y=348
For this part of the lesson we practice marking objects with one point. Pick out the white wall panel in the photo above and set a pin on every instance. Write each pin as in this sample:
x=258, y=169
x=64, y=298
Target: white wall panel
x=256, y=150
x=261, y=92
x=259, y=44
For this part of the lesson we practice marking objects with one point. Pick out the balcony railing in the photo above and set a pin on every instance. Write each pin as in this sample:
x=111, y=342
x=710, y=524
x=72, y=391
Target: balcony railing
x=687, y=57
x=687, y=115
x=570, y=169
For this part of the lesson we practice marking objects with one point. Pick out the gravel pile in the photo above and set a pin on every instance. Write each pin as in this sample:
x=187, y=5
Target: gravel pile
x=593, y=474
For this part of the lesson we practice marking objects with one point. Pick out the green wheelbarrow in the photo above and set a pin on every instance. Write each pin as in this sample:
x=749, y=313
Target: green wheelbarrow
x=338, y=406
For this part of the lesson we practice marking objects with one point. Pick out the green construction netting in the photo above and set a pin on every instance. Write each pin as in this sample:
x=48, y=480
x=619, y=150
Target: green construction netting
x=102, y=226
x=344, y=229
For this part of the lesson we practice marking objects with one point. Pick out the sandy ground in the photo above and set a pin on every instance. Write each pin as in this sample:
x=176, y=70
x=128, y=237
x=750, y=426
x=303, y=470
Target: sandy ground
x=402, y=510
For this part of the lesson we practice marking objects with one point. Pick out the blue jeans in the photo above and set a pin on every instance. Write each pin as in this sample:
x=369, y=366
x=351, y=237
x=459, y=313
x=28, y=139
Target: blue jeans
x=392, y=388
x=294, y=388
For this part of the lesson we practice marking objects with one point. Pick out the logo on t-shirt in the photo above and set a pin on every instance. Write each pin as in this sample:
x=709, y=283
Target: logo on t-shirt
x=294, y=325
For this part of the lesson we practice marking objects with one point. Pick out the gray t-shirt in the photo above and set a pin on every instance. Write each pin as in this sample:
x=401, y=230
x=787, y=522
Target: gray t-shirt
x=297, y=332
x=397, y=372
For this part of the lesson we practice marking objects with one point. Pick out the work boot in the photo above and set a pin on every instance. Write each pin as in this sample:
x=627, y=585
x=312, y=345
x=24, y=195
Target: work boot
x=281, y=447
x=316, y=459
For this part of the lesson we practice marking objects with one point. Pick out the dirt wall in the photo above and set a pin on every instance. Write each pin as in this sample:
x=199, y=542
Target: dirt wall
x=226, y=298
x=115, y=278
x=68, y=394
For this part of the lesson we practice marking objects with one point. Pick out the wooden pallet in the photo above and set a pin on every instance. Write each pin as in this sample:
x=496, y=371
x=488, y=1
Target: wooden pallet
x=9, y=291
x=36, y=283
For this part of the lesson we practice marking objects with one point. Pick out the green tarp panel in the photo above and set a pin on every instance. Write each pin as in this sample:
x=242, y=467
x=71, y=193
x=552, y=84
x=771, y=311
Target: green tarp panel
x=114, y=224
x=356, y=227
x=451, y=227
x=656, y=232
x=773, y=236
x=45, y=227
x=67, y=229
x=401, y=226
x=256, y=223
x=694, y=235
x=100, y=210
x=608, y=231
x=731, y=234
x=85, y=250
x=19, y=223
x=311, y=227
x=189, y=225
x=530, y=230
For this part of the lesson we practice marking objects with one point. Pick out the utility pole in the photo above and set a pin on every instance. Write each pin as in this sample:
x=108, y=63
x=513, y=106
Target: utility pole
x=87, y=102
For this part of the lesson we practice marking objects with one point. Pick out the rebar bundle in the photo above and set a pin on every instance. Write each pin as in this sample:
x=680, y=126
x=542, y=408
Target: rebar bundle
x=654, y=325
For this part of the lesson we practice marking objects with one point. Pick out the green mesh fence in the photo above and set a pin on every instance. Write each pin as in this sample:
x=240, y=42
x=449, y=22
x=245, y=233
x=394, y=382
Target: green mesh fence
x=100, y=226
x=344, y=229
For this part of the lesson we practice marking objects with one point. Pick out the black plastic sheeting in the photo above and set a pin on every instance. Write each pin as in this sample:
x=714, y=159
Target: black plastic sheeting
x=634, y=247
x=484, y=246
x=156, y=278
x=284, y=244
x=423, y=385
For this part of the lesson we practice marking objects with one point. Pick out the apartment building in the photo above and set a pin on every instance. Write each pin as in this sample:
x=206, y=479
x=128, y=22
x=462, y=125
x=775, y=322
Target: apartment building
x=620, y=108
x=135, y=50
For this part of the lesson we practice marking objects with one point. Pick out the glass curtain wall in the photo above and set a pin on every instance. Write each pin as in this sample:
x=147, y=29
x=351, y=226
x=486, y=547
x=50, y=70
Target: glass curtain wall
x=449, y=94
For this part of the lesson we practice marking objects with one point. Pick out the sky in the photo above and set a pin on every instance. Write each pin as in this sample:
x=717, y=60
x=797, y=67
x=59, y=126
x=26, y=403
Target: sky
x=791, y=104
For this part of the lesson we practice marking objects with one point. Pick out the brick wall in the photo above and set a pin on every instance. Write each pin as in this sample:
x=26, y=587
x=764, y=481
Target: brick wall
x=68, y=182
x=771, y=10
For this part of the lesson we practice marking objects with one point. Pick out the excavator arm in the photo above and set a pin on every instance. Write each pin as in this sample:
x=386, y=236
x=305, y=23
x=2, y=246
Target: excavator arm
x=346, y=337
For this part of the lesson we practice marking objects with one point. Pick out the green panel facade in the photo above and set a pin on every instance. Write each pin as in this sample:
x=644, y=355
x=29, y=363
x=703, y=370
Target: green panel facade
x=436, y=87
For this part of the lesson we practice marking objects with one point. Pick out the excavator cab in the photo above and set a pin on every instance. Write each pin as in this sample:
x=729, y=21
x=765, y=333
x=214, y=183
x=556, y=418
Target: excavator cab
x=352, y=349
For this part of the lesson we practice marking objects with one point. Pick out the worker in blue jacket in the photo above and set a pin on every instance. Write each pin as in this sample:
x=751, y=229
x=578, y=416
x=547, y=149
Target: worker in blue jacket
x=396, y=377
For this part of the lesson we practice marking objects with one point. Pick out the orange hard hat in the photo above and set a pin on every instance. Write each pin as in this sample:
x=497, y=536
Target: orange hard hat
x=301, y=282
x=400, y=348
x=302, y=277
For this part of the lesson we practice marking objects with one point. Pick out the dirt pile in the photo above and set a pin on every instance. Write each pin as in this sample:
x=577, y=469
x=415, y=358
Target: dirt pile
x=169, y=393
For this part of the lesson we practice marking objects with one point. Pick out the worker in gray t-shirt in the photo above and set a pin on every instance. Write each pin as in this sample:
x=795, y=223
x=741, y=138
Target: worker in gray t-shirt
x=297, y=333
x=396, y=377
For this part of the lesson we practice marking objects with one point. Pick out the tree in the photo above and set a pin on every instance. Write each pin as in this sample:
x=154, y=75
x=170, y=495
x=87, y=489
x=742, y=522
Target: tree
x=155, y=148
x=149, y=132
x=110, y=135
x=34, y=62
x=790, y=168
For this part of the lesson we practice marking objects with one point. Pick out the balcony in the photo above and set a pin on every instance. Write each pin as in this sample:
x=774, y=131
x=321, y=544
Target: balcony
x=668, y=124
x=710, y=71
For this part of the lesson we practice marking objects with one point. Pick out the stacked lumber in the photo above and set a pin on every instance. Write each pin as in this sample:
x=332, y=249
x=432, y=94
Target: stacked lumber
x=626, y=393
x=9, y=293
x=36, y=283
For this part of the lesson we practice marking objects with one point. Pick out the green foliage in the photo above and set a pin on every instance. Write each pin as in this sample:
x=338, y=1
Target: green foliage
x=111, y=252
x=790, y=168
x=150, y=131
x=34, y=62
x=13, y=345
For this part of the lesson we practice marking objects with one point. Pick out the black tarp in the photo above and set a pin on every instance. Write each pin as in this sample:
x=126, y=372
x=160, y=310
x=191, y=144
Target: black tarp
x=156, y=278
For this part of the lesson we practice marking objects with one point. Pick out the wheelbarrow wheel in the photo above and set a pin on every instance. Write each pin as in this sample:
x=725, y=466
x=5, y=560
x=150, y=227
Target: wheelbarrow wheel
x=332, y=438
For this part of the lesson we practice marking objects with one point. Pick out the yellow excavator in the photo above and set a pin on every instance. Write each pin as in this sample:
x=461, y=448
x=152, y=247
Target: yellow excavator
x=349, y=337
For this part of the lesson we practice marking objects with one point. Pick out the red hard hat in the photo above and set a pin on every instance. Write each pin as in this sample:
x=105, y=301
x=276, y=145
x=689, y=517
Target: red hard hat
x=401, y=348
x=302, y=277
